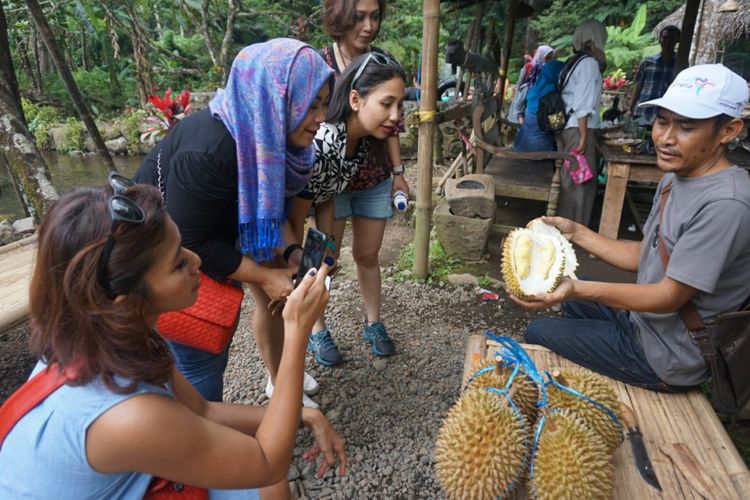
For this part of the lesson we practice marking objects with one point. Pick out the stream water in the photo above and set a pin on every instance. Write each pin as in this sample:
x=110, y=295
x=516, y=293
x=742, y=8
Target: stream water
x=67, y=172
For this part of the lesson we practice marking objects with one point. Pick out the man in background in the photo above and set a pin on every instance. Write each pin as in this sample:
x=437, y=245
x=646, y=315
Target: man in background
x=654, y=75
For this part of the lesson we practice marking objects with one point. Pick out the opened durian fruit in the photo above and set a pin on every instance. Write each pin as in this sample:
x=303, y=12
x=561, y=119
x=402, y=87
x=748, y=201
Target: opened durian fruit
x=536, y=258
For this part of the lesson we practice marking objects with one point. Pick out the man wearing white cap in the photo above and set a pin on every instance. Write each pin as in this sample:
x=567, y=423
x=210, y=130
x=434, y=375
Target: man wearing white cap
x=634, y=332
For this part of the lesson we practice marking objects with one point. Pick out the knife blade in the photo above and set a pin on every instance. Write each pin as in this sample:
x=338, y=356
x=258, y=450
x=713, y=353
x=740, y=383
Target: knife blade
x=642, y=462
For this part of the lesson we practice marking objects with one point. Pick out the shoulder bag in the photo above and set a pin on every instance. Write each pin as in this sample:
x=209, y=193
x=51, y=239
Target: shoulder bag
x=724, y=343
x=208, y=324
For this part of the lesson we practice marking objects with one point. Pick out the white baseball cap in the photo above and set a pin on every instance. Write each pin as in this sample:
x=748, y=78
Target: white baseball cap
x=704, y=91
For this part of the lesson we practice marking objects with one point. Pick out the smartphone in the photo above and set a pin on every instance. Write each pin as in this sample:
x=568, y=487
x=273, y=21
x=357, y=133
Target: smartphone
x=312, y=253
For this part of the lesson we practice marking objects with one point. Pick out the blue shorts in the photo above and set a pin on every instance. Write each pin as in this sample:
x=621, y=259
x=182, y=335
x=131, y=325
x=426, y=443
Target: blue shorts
x=372, y=203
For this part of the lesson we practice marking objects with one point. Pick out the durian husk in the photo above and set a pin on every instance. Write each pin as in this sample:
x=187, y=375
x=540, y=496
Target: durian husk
x=597, y=388
x=482, y=448
x=570, y=461
x=525, y=396
x=512, y=281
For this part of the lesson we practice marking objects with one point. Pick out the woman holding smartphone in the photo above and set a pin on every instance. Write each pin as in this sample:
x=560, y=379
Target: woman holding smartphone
x=109, y=262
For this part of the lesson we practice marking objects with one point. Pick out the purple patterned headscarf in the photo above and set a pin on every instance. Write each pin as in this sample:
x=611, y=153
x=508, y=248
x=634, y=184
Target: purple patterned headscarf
x=270, y=89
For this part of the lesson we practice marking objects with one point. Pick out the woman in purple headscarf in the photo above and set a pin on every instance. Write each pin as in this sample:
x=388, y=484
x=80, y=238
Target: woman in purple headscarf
x=227, y=175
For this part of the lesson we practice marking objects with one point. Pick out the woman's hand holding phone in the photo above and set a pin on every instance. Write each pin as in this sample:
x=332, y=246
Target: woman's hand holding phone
x=306, y=303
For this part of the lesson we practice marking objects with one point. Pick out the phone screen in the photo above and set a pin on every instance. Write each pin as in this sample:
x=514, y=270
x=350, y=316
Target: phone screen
x=312, y=253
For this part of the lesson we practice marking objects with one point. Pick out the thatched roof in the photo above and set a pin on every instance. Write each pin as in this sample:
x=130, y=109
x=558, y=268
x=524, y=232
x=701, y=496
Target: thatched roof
x=731, y=25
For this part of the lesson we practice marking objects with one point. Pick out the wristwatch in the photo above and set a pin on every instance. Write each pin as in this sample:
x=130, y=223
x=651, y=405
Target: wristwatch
x=398, y=169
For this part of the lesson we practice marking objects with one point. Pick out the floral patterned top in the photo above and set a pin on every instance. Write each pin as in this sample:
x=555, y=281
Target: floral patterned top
x=333, y=170
x=370, y=172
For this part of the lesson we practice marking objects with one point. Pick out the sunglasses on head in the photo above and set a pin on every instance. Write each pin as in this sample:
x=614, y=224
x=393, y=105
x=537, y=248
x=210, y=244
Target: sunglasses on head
x=377, y=58
x=121, y=209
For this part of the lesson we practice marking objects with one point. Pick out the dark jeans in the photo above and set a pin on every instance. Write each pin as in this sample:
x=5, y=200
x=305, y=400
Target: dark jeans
x=600, y=338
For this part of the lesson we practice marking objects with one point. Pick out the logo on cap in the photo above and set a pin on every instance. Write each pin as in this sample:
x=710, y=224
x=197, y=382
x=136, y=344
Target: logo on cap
x=699, y=83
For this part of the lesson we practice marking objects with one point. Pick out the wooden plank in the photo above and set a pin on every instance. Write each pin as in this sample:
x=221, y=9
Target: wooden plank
x=645, y=173
x=16, y=267
x=665, y=419
x=521, y=178
x=456, y=112
x=614, y=195
x=476, y=351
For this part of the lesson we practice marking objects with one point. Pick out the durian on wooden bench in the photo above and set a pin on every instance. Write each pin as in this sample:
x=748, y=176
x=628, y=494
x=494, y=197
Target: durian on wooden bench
x=668, y=422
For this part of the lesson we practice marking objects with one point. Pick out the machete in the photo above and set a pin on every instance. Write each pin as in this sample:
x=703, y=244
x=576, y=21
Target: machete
x=642, y=462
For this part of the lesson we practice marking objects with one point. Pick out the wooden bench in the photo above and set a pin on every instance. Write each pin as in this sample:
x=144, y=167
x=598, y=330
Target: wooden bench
x=517, y=174
x=664, y=419
x=16, y=267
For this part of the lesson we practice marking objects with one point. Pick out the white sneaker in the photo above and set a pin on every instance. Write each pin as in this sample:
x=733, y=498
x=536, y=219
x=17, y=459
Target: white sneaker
x=309, y=386
x=306, y=401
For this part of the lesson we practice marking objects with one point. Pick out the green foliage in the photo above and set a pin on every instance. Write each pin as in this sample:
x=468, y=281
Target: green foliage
x=130, y=123
x=627, y=46
x=40, y=120
x=30, y=110
x=73, y=130
x=485, y=282
x=441, y=265
x=557, y=23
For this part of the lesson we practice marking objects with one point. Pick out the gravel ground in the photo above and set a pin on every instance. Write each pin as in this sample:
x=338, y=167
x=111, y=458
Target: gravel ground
x=388, y=410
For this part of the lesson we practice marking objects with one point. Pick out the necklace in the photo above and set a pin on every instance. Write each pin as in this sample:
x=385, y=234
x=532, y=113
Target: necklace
x=345, y=60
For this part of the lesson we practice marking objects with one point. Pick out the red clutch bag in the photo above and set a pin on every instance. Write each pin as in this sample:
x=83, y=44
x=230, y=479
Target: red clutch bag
x=209, y=323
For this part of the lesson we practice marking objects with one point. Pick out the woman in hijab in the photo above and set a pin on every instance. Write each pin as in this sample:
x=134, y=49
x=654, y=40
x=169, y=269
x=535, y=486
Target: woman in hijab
x=582, y=96
x=542, y=80
x=228, y=173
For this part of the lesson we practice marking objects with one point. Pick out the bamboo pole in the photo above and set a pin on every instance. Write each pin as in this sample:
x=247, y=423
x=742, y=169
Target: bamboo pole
x=686, y=34
x=510, y=28
x=427, y=107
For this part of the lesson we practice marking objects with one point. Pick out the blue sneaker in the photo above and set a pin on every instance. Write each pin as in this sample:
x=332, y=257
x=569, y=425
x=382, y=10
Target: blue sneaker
x=375, y=334
x=326, y=353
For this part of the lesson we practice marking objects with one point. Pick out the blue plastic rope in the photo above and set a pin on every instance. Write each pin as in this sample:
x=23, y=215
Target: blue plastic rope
x=611, y=414
x=512, y=350
x=504, y=392
x=539, y=426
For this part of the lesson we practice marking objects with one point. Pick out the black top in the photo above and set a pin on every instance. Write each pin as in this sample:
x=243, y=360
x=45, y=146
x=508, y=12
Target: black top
x=199, y=177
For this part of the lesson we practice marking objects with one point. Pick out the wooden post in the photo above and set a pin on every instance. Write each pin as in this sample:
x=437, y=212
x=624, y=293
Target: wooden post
x=686, y=34
x=614, y=196
x=510, y=28
x=427, y=106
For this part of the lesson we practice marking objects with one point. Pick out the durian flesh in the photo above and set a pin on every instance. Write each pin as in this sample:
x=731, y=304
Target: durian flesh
x=535, y=259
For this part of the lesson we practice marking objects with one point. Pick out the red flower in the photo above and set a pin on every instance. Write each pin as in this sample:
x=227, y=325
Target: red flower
x=172, y=109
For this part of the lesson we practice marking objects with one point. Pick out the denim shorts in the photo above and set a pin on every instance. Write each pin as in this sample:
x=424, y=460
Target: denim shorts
x=372, y=203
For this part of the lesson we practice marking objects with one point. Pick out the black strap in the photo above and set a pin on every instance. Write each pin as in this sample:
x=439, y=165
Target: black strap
x=567, y=71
